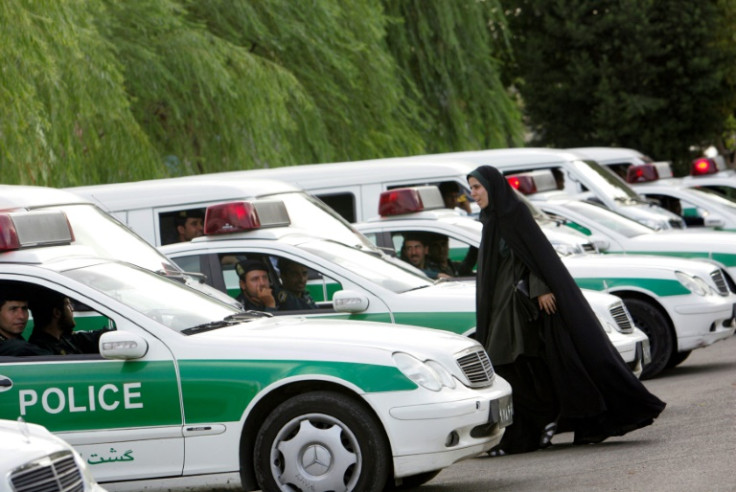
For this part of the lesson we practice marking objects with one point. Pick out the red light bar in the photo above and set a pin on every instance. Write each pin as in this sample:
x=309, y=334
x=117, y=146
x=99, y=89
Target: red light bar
x=523, y=184
x=8, y=234
x=400, y=201
x=703, y=166
x=227, y=218
x=32, y=229
x=642, y=173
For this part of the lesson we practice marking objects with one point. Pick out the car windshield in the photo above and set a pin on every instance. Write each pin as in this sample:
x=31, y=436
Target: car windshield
x=609, y=220
x=311, y=214
x=374, y=269
x=111, y=239
x=162, y=300
x=605, y=180
x=715, y=197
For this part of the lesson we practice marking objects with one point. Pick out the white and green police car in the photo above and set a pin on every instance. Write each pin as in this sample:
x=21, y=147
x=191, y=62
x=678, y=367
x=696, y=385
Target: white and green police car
x=681, y=304
x=189, y=391
x=349, y=283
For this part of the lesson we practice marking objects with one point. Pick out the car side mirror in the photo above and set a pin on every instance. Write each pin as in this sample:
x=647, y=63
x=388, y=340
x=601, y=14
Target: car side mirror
x=122, y=345
x=349, y=301
x=601, y=243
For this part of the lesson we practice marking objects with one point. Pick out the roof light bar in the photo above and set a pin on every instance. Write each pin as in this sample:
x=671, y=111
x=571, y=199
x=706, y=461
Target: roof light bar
x=522, y=184
x=642, y=173
x=401, y=201
x=232, y=217
x=34, y=229
x=533, y=181
x=703, y=166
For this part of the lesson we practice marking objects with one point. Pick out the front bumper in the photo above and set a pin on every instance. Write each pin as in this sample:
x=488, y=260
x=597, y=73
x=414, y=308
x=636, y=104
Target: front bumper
x=431, y=430
x=698, y=327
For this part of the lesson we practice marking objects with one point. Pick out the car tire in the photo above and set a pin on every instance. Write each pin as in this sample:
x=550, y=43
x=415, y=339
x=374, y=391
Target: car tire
x=414, y=481
x=678, y=358
x=652, y=322
x=321, y=440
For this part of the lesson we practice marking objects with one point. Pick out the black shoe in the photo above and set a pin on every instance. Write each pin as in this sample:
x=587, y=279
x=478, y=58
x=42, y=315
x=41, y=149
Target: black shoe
x=495, y=452
x=545, y=440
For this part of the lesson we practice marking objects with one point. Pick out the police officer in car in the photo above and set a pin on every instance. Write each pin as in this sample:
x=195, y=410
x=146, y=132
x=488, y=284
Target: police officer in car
x=255, y=287
x=294, y=295
x=53, y=317
x=189, y=224
x=13, y=318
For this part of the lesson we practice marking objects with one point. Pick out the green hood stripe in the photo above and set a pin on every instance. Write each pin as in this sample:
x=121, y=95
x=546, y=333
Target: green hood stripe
x=727, y=259
x=219, y=391
x=660, y=287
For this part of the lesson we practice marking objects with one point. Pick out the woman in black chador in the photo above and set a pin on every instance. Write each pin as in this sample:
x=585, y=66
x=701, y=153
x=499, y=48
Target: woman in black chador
x=542, y=336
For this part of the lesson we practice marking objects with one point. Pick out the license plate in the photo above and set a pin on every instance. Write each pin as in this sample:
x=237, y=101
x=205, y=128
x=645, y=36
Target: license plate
x=502, y=411
x=646, y=352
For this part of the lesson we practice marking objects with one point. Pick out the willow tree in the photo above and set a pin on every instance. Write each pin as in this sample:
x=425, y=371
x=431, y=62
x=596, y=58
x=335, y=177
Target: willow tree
x=337, y=53
x=449, y=53
x=64, y=113
x=207, y=104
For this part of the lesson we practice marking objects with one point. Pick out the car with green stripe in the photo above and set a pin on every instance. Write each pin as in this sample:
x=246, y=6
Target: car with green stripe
x=349, y=283
x=681, y=304
x=188, y=391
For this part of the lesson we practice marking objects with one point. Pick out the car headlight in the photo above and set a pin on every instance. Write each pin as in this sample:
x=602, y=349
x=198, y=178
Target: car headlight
x=696, y=285
x=430, y=375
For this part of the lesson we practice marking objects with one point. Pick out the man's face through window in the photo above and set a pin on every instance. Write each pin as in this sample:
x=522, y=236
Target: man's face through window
x=415, y=251
x=193, y=227
x=254, y=283
x=294, y=278
x=13, y=318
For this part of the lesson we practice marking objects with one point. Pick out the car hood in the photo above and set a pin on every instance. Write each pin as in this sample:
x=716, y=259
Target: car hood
x=300, y=338
x=21, y=442
x=687, y=240
x=620, y=265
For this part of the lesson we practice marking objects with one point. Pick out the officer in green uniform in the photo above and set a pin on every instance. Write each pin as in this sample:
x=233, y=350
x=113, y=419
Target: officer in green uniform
x=293, y=296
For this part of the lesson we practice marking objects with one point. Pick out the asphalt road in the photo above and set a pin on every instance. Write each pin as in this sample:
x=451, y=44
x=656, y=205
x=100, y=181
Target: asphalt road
x=690, y=447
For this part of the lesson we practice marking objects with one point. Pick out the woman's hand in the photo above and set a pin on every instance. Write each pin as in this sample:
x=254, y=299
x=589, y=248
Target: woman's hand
x=547, y=303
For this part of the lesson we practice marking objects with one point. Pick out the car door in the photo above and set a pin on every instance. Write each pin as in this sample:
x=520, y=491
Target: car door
x=123, y=416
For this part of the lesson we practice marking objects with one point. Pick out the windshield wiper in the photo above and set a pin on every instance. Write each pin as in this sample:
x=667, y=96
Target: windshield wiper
x=230, y=320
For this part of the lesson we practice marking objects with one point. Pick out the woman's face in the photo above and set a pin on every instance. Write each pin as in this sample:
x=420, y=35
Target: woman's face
x=478, y=192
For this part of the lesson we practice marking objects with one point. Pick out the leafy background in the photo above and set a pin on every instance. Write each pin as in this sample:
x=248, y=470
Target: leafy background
x=97, y=91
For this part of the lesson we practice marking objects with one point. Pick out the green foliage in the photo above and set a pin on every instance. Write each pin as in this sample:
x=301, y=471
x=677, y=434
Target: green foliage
x=106, y=91
x=64, y=115
x=653, y=75
x=337, y=54
x=449, y=54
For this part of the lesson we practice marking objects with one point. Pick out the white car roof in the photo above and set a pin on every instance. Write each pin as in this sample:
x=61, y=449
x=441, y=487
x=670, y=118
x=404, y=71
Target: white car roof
x=174, y=191
x=19, y=196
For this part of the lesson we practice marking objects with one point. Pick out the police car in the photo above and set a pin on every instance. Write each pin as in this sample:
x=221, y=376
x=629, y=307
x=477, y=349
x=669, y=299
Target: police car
x=189, y=391
x=681, y=304
x=705, y=198
x=575, y=176
x=708, y=173
x=32, y=459
x=351, y=284
x=97, y=230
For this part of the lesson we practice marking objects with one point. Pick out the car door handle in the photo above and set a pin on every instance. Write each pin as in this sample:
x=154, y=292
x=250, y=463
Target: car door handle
x=5, y=383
